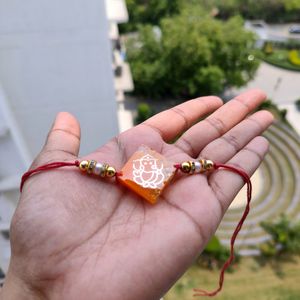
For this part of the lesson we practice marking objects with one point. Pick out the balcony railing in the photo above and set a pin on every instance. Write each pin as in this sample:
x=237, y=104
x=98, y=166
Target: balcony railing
x=116, y=11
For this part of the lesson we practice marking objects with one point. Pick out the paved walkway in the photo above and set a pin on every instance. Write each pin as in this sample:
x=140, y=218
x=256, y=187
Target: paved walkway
x=240, y=199
x=282, y=86
x=282, y=31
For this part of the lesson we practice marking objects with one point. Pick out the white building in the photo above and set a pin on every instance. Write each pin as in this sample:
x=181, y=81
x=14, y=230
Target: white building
x=55, y=56
x=117, y=13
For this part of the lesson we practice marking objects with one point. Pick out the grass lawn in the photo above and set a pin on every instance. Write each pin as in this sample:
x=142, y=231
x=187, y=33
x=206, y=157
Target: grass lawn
x=248, y=281
x=280, y=59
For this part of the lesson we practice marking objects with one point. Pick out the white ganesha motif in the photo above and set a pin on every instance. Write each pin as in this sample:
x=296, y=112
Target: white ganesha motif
x=147, y=173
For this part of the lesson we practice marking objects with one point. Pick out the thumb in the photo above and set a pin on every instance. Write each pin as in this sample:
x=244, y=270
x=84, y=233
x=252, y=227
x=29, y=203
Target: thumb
x=64, y=135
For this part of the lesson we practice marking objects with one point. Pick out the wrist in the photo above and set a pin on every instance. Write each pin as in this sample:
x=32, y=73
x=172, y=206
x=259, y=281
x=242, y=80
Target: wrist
x=15, y=288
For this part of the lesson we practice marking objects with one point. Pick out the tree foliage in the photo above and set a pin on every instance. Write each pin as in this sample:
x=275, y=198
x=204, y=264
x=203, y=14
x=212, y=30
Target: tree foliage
x=191, y=54
x=152, y=11
x=268, y=10
x=149, y=12
x=291, y=5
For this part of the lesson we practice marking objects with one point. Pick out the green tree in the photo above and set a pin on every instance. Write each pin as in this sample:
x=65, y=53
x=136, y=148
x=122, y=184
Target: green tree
x=291, y=5
x=191, y=54
x=268, y=10
x=145, y=56
x=149, y=12
x=152, y=11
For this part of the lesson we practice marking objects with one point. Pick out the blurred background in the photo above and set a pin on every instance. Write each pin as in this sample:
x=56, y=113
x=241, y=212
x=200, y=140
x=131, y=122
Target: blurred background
x=115, y=63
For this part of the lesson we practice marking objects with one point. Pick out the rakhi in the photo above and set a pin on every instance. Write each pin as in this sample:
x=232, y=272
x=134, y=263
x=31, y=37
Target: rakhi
x=147, y=173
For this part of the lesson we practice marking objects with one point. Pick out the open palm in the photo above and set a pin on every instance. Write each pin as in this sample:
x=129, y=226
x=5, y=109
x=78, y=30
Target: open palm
x=78, y=237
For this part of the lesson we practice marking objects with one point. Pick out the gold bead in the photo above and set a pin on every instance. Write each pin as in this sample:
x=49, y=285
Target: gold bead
x=208, y=165
x=202, y=162
x=83, y=166
x=110, y=171
x=186, y=167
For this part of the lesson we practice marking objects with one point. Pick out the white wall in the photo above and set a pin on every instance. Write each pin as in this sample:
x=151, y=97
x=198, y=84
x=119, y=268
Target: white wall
x=55, y=56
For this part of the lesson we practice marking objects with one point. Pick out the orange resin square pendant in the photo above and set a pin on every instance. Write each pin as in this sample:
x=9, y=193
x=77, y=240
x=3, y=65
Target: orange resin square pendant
x=147, y=173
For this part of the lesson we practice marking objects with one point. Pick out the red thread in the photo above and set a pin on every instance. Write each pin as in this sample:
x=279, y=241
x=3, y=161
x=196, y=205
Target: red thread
x=177, y=166
x=119, y=174
x=46, y=167
x=247, y=180
x=51, y=166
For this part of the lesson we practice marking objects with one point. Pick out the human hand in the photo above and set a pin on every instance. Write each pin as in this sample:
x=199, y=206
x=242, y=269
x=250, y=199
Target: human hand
x=78, y=237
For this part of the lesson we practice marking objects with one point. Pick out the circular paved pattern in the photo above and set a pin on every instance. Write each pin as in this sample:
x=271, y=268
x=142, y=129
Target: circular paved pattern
x=257, y=186
x=279, y=192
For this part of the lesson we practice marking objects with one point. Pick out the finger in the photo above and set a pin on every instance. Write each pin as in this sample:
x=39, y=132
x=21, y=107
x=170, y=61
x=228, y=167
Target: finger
x=218, y=123
x=225, y=147
x=172, y=122
x=64, y=136
x=226, y=184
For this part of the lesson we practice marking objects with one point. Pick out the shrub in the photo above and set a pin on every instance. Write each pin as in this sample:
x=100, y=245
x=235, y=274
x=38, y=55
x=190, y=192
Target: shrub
x=215, y=254
x=266, y=104
x=294, y=57
x=268, y=48
x=144, y=112
x=285, y=237
x=268, y=249
x=283, y=113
